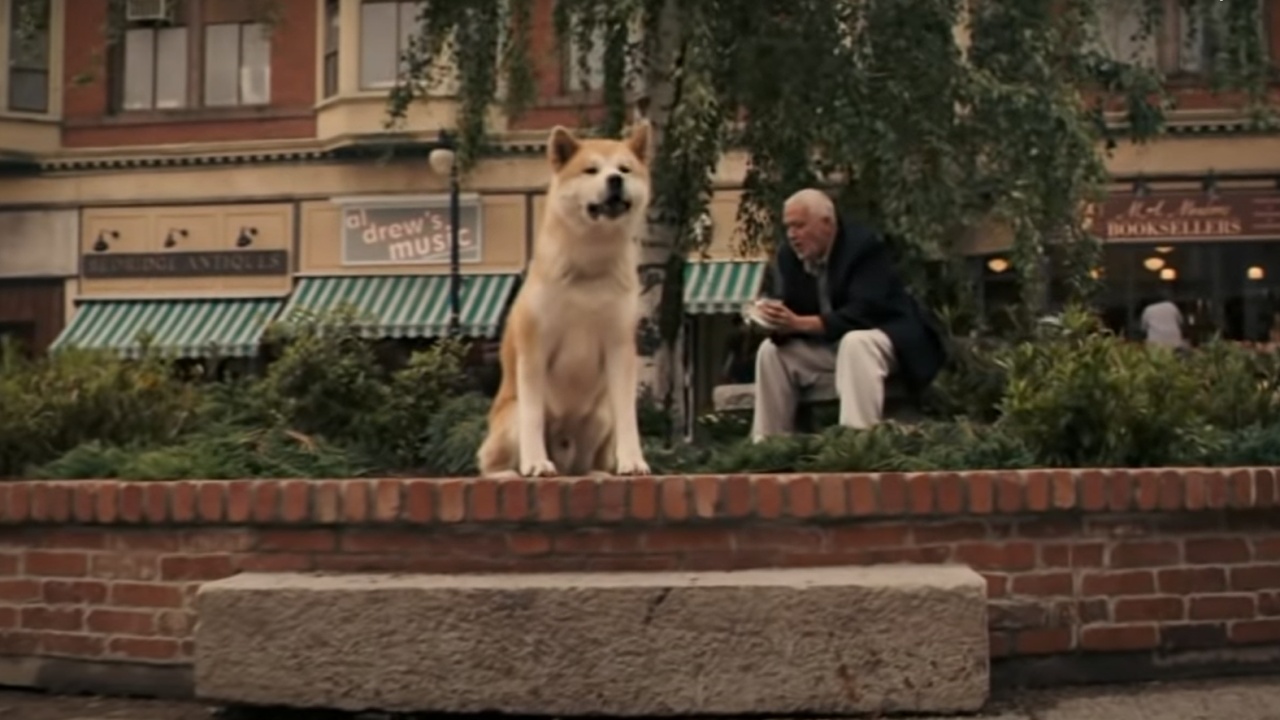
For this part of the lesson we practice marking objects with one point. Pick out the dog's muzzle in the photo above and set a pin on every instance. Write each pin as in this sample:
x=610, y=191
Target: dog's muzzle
x=615, y=203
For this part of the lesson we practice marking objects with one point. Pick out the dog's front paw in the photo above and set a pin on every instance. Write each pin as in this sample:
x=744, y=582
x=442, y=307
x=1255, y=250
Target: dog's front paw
x=538, y=468
x=632, y=466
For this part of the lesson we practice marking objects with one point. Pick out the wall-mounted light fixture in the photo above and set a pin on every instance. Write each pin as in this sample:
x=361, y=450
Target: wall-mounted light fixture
x=247, y=234
x=997, y=264
x=1164, y=249
x=172, y=238
x=1255, y=272
x=1140, y=187
x=101, y=245
x=1153, y=263
x=1211, y=185
x=1168, y=274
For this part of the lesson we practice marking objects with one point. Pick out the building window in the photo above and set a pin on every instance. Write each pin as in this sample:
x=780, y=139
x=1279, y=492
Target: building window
x=575, y=80
x=29, y=58
x=237, y=64
x=207, y=53
x=1184, y=41
x=386, y=28
x=332, y=25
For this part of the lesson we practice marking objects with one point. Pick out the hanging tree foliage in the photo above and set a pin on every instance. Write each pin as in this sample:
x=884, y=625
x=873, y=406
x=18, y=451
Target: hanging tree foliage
x=874, y=97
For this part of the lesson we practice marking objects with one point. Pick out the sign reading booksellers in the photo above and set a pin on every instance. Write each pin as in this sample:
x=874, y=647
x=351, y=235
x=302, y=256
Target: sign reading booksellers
x=409, y=232
x=1230, y=215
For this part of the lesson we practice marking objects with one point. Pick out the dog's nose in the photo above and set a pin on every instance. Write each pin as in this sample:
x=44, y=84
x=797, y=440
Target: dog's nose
x=615, y=184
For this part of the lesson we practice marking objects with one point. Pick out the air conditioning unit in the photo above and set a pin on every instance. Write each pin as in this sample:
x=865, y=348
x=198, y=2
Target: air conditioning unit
x=148, y=10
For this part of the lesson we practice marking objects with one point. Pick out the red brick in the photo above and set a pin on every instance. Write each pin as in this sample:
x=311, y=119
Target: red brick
x=513, y=498
x=598, y=541
x=143, y=648
x=1137, y=582
x=1255, y=577
x=1058, y=583
x=328, y=502
x=73, y=538
x=1120, y=497
x=857, y=537
x=706, y=496
x=1074, y=555
x=131, y=502
x=8, y=619
x=1000, y=643
x=949, y=532
x=643, y=498
x=1267, y=548
x=355, y=501
x=175, y=623
x=528, y=543
x=1218, y=490
x=74, y=592
x=297, y=540
x=239, y=501
x=419, y=505
x=1193, y=636
x=19, y=503
x=42, y=563
x=920, y=488
x=1194, y=489
x=1269, y=604
x=23, y=590
x=1147, y=609
x=84, y=503
x=1248, y=632
x=359, y=540
x=216, y=540
x=997, y=556
x=5, y=492
x=1172, y=494
x=582, y=499
x=549, y=496
x=1191, y=581
x=125, y=566
x=1118, y=638
x=1093, y=491
x=63, y=619
x=183, y=497
x=613, y=500
x=861, y=490
x=833, y=498
x=687, y=540
x=997, y=584
x=950, y=494
x=39, y=510
x=1064, y=490
x=738, y=497
x=981, y=493
x=156, y=503
x=1038, y=491
x=1217, y=551
x=1241, y=490
x=296, y=501
x=10, y=564
x=1044, y=641
x=801, y=492
x=60, y=502
x=1144, y=554
x=20, y=642
x=483, y=505
x=72, y=645
x=791, y=539
x=1010, y=491
x=1017, y=614
x=1264, y=483
x=197, y=567
x=1222, y=607
x=211, y=501
x=893, y=493
x=149, y=595
x=275, y=562
x=105, y=501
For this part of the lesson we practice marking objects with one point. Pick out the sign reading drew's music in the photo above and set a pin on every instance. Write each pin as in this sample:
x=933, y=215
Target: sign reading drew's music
x=408, y=232
x=1230, y=215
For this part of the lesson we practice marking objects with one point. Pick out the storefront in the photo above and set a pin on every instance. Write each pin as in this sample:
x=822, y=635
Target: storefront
x=387, y=258
x=200, y=281
x=38, y=260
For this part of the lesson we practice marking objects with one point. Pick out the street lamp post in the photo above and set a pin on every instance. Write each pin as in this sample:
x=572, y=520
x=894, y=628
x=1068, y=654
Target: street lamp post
x=445, y=153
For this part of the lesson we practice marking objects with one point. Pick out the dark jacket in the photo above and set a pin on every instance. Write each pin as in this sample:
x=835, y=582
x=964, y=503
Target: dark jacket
x=866, y=292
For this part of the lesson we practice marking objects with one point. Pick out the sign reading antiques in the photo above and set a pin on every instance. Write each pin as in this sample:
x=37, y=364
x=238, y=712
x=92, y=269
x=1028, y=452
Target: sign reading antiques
x=409, y=232
x=1187, y=216
x=241, y=263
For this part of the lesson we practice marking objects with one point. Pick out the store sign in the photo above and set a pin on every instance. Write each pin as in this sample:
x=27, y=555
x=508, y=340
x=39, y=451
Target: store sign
x=1186, y=216
x=409, y=232
x=219, y=263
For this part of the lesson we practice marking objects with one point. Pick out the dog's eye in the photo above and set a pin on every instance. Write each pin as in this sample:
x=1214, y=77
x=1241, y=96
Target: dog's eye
x=624, y=169
x=593, y=171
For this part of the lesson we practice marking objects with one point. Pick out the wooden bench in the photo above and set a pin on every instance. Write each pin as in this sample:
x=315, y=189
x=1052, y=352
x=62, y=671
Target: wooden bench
x=899, y=404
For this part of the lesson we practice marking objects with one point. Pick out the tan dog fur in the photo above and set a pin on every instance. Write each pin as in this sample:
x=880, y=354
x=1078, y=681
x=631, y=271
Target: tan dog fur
x=567, y=401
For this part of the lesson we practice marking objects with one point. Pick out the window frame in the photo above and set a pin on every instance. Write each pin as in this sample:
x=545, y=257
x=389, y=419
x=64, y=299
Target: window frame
x=243, y=27
x=399, y=34
x=330, y=70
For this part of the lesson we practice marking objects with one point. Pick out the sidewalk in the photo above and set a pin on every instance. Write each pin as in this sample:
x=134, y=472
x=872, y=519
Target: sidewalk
x=1245, y=699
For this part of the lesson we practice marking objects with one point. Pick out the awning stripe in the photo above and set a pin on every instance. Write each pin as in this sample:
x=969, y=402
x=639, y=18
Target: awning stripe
x=181, y=328
x=408, y=305
x=713, y=287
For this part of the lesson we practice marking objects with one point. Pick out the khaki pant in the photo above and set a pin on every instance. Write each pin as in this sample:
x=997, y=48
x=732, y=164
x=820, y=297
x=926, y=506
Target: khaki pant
x=856, y=372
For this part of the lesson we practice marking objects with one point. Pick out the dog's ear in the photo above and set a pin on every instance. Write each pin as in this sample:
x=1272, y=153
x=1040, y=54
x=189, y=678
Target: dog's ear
x=638, y=141
x=561, y=146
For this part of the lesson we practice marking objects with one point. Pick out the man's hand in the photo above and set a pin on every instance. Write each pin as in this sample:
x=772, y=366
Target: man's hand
x=781, y=318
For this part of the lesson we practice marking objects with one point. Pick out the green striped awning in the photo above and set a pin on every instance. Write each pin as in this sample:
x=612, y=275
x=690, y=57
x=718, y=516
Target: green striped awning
x=408, y=305
x=713, y=287
x=183, y=328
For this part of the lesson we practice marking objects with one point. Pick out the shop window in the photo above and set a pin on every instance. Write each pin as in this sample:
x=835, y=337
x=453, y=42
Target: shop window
x=20, y=335
x=28, y=57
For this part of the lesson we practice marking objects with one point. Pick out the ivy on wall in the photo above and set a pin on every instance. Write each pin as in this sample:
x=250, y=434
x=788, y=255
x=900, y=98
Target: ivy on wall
x=875, y=98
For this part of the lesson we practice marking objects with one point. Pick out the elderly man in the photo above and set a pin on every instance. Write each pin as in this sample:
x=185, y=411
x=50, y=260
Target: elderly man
x=841, y=318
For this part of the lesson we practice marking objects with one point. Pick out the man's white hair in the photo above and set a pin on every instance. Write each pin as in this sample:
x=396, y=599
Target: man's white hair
x=815, y=201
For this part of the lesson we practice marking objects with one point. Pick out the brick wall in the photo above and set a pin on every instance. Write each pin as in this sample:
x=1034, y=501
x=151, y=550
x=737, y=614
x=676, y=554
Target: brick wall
x=1092, y=572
